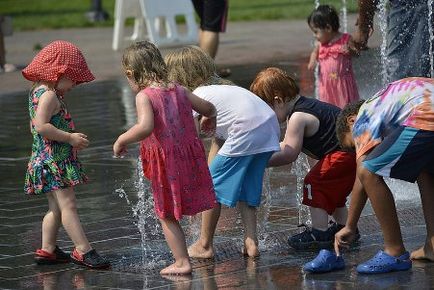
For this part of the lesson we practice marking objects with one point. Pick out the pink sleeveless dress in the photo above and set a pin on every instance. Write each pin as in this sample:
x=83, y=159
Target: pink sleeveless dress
x=337, y=85
x=173, y=157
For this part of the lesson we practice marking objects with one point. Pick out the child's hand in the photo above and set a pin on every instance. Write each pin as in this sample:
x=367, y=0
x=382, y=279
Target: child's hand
x=208, y=125
x=343, y=239
x=78, y=141
x=119, y=150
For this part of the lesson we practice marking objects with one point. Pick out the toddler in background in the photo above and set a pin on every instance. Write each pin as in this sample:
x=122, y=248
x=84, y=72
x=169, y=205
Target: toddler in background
x=172, y=155
x=333, y=51
x=54, y=168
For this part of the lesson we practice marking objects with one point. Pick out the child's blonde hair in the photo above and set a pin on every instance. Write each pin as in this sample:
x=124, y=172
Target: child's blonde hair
x=192, y=67
x=273, y=82
x=145, y=62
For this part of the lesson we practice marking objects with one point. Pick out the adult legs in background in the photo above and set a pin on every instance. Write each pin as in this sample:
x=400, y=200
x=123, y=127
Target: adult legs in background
x=209, y=42
x=213, y=18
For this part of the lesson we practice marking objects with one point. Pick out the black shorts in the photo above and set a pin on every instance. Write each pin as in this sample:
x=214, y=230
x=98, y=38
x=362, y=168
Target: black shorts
x=212, y=14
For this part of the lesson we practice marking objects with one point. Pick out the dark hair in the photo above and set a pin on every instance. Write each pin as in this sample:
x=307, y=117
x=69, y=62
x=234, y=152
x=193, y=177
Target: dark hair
x=323, y=16
x=342, y=126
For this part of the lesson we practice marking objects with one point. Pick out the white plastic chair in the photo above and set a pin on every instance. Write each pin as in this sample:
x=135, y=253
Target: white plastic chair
x=155, y=20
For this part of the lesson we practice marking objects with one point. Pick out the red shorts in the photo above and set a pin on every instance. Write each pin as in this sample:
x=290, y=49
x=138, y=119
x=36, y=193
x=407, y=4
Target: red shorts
x=330, y=181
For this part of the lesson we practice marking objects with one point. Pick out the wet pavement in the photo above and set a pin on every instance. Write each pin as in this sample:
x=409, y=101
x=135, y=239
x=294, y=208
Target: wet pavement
x=115, y=207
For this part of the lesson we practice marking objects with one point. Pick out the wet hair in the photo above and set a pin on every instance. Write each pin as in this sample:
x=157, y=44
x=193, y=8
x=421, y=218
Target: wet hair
x=342, y=126
x=274, y=82
x=192, y=67
x=324, y=16
x=146, y=63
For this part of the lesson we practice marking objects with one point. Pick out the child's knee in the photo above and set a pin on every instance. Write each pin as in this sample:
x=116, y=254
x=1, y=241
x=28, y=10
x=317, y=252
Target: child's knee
x=365, y=175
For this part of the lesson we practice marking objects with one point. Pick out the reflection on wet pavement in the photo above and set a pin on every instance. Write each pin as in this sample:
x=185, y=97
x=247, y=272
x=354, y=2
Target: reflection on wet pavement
x=106, y=207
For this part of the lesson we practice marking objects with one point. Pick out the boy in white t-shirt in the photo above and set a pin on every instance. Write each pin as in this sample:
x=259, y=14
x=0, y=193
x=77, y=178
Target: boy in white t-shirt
x=246, y=136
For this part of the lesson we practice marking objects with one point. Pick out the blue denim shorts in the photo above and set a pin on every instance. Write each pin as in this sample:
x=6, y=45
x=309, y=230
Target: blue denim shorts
x=239, y=178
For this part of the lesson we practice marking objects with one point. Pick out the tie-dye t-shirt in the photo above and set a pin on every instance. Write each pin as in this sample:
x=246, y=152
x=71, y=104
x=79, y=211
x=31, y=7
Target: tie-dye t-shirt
x=407, y=102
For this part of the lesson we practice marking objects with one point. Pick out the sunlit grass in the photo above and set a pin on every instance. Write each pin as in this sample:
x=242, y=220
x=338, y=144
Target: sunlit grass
x=48, y=14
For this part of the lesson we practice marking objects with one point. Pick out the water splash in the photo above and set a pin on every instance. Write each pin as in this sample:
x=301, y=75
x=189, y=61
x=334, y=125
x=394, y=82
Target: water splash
x=382, y=7
x=344, y=16
x=300, y=168
x=145, y=219
x=264, y=210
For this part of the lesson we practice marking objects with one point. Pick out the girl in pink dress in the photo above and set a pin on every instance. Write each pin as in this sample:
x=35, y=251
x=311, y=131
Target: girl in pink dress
x=333, y=51
x=172, y=154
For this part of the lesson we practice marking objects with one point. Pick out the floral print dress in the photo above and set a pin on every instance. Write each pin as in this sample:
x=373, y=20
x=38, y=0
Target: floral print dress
x=52, y=165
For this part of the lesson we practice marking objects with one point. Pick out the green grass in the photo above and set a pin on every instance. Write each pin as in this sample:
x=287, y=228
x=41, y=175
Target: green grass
x=52, y=14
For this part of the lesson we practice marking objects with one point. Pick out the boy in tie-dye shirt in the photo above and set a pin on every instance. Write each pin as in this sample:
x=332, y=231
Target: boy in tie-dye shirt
x=393, y=135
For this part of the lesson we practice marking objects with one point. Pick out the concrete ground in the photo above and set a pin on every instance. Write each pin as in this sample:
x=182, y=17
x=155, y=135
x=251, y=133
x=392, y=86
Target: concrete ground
x=125, y=231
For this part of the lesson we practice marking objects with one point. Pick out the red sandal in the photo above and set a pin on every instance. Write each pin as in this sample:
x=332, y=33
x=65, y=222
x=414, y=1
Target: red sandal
x=91, y=259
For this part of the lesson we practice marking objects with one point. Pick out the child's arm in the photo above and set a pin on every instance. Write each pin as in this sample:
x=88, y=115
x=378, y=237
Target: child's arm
x=345, y=236
x=207, y=110
x=292, y=143
x=141, y=130
x=48, y=106
x=313, y=56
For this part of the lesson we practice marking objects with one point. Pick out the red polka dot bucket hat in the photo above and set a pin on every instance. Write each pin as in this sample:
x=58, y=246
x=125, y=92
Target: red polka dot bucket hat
x=59, y=58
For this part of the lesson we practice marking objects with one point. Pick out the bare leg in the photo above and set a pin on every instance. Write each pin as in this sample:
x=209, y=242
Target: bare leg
x=51, y=224
x=340, y=215
x=209, y=42
x=175, y=238
x=384, y=207
x=426, y=187
x=248, y=216
x=203, y=248
x=70, y=220
x=216, y=144
x=320, y=218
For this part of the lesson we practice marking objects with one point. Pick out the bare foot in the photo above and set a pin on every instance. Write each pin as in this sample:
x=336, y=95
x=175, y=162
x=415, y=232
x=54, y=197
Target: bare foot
x=250, y=248
x=178, y=278
x=423, y=253
x=198, y=251
x=181, y=267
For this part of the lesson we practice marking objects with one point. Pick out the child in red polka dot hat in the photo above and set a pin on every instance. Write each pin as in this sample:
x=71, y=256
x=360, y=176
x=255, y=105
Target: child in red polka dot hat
x=54, y=168
x=59, y=58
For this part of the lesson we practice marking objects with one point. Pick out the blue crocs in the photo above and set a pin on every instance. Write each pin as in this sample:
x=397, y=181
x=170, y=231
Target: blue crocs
x=326, y=261
x=384, y=263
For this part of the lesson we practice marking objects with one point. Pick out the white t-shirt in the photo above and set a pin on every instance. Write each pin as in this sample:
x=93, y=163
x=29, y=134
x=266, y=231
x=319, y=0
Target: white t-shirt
x=246, y=123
